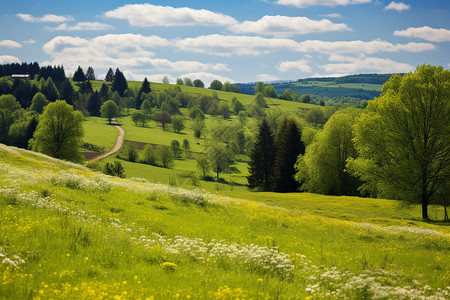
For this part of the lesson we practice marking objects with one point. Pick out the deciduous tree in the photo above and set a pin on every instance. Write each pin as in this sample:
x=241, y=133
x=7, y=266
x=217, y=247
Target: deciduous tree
x=403, y=138
x=109, y=110
x=59, y=131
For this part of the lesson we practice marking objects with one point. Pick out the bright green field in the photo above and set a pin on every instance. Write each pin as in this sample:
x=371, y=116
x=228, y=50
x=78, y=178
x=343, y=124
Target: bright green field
x=68, y=233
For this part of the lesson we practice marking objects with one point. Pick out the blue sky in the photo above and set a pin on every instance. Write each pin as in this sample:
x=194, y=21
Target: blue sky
x=237, y=41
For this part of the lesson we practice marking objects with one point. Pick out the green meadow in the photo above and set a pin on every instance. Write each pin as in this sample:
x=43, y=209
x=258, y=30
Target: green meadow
x=68, y=232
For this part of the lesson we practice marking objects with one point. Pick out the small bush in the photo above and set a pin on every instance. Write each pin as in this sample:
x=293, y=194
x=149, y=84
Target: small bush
x=114, y=169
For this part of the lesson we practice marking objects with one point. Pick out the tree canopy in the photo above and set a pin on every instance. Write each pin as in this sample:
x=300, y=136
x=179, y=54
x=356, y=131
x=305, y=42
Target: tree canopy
x=403, y=138
x=109, y=110
x=79, y=75
x=59, y=131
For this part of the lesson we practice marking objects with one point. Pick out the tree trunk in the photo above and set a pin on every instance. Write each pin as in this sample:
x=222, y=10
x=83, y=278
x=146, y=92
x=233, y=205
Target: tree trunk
x=425, y=207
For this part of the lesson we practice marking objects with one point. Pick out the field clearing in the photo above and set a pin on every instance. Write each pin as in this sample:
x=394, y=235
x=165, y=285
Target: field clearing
x=70, y=233
x=332, y=84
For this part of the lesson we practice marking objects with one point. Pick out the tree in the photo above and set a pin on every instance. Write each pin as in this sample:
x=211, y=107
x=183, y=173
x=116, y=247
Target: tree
x=148, y=155
x=216, y=85
x=403, y=138
x=269, y=91
x=146, y=107
x=119, y=83
x=178, y=123
x=188, y=82
x=59, y=132
x=165, y=80
x=305, y=99
x=315, y=116
x=323, y=167
x=90, y=74
x=219, y=158
x=9, y=102
x=227, y=87
x=286, y=95
x=288, y=146
x=50, y=90
x=203, y=164
x=176, y=148
x=109, y=110
x=198, y=83
x=140, y=117
x=66, y=91
x=166, y=156
x=38, y=103
x=262, y=157
x=186, y=147
x=198, y=125
x=260, y=100
x=109, y=75
x=79, y=75
x=259, y=87
x=236, y=88
x=164, y=118
x=94, y=104
x=114, y=169
x=238, y=106
x=196, y=112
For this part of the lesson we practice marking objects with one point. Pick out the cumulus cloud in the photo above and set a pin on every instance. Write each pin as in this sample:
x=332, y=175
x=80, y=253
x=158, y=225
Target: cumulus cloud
x=83, y=26
x=360, y=47
x=7, y=59
x=127, y=51
x=228, y=45
x=49, y=18
x=148, y=15
x=300, y=65
x=266, y=77
x=10, y=44
x=307, y=3
x=287, y=26
x=398, y=6
x=352, y=65
x=426, y=33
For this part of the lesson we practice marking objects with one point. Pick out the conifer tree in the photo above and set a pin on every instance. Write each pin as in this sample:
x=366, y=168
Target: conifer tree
x=288, y=147
x=94, y=104
x=79, y=75
x=119, y=83
x=145, y=88
x=110, y=75
x=90, y=74
x=262, y=157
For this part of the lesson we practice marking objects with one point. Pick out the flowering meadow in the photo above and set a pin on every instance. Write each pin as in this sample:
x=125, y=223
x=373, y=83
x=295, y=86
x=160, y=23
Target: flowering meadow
x=68, y=232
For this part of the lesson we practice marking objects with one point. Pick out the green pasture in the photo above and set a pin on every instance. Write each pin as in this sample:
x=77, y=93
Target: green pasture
x=69, y=233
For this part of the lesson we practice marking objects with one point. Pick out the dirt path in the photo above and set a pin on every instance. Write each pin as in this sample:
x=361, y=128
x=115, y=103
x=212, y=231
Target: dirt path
x=119, y=141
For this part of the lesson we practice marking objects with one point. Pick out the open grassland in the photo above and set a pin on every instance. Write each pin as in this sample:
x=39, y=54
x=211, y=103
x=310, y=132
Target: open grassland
x=67, y=232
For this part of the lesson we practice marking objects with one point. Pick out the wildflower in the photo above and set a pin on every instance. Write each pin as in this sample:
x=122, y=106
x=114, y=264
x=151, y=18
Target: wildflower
x=168, y=266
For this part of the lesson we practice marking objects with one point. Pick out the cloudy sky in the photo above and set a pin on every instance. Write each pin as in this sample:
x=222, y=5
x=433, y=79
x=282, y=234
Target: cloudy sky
x=238, y=41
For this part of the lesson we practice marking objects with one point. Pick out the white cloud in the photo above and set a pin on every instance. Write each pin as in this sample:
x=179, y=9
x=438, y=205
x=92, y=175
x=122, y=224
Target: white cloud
x=147, y=15
x=7, y=59
x=333, y=15
x=83, y=26
x=266, y=77
x=398, y=6
x=49, y=18
x=360, y=47
x=30, y=41
x=127, y=51
x=287, y=26
x=300, y=65
x=426, y=33
x=10, y=44
x=352, y=65
x=307, y=3
x=228, y=45
x=318, y=75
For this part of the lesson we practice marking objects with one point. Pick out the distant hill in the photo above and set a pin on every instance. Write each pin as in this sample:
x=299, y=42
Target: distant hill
x=361, y=86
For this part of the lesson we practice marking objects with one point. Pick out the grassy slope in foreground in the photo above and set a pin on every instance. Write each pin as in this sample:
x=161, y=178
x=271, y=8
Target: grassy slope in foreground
x=69, y=233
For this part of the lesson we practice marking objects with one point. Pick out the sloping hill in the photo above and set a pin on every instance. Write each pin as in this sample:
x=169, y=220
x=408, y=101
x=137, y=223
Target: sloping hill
x=67, y=232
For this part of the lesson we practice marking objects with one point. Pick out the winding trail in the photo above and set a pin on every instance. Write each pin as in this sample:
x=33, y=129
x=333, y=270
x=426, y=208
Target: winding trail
x=119, y=141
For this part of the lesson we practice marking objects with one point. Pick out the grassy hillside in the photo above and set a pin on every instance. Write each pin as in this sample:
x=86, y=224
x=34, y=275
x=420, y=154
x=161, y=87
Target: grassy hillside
x=67, y=232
